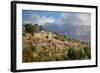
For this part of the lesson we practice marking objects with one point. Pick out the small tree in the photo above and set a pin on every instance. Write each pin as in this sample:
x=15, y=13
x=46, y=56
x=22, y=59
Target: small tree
x=72, y=54
x=41, y=28
x=23, y=30
x=81, y=54
x=33, y=48
x=88, y=52
x=33, y=28
x=29, y=28
x=27, y=55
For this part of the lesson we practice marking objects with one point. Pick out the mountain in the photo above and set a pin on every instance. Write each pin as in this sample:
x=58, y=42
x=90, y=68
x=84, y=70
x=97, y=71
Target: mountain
x=45, y=46
x=78, y=32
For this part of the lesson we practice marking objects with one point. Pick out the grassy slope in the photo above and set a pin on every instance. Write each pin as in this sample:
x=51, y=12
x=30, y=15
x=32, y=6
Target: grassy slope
x=47, y=46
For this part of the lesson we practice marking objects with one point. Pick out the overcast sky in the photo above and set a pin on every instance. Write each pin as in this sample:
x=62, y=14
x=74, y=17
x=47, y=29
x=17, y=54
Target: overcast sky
x=44, y=17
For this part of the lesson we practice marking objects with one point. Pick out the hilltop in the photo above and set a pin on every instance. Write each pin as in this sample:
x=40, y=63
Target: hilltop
x=40, y=45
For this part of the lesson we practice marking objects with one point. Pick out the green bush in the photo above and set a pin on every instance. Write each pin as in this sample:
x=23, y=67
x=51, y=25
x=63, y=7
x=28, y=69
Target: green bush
x=66, y=37
x=72, y=54
x=32, y=28
x=88, y=52
x=29, y=28
x=27, y=55
x=81, y=54
x=33, y=48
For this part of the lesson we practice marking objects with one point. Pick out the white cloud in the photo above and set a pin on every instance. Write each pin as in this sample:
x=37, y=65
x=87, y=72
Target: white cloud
x=75, y=18
x=85, y=18
x=65, y=18
x=41, y=20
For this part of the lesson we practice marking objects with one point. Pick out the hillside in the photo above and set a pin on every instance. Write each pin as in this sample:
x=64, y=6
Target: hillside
x=50, y=46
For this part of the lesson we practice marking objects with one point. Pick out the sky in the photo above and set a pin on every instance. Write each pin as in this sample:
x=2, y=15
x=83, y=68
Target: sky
x=74, y=24
x=53, y=17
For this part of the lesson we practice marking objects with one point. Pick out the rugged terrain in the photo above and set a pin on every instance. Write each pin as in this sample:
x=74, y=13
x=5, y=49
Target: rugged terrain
x=48, y=46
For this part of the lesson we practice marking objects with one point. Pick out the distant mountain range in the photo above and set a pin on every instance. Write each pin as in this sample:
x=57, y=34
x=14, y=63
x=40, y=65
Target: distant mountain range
x=78, y=32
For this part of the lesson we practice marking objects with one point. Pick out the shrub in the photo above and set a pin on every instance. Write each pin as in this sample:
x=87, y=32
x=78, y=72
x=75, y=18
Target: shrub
x=33, y=48
x=32, y=28
x=47, y=37
x=56, y=37
x=66, y=37
x=72, y=54
x=29, y=28
x=27, y=55
x=88, y=52
x=81, y=54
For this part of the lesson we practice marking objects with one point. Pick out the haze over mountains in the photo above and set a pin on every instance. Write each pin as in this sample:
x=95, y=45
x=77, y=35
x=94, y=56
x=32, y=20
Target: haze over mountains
x=79, y=32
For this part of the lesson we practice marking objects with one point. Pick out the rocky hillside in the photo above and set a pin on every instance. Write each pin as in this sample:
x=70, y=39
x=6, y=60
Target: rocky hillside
x=40, y=46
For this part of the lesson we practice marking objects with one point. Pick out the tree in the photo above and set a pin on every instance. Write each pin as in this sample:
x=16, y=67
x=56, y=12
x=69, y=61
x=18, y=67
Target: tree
x=88, y=52
x=23, y=29
x=65, y=37
x=29, y=28
x=81, y=54
x=38, y=28
x=72, y=54
x=41, y=28
x=27, y=55
x=32, y=28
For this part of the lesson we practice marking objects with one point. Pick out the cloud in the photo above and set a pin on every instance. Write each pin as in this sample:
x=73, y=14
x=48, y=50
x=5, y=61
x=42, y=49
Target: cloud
x=36, y=19
x=72, y=18
x=75, y=18
x=85, y=18
x=44, y=20
x=62, y=19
